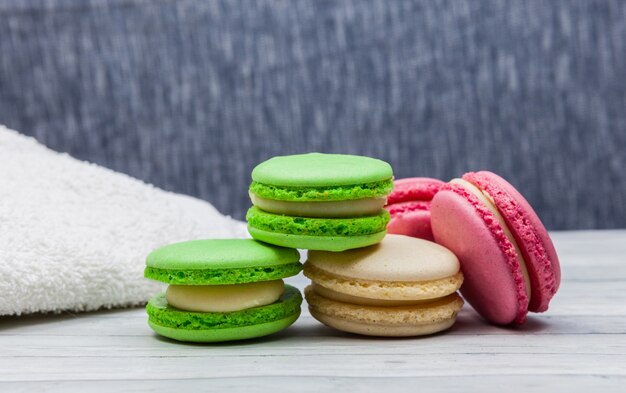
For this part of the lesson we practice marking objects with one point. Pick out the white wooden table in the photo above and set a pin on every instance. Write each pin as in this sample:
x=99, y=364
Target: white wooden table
x=578, y=345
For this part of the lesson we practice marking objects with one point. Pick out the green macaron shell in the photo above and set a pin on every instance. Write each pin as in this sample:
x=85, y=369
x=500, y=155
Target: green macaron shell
x=326, y=243
x=223, y=326
x=319, y=170
x=305, y=226
x=228, y=334
x=221, y=262
x=222, y=276
x=321, y=177
x=220, y=254
x=321, y=194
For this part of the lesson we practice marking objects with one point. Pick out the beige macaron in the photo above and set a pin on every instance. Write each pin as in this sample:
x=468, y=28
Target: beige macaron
x=402, y=286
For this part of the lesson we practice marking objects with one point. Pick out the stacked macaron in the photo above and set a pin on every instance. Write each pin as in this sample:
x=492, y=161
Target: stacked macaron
x=409, y=206
x=402, y=286
x=336, y=206
x=222, y=290
x=316, y=201
x=332, y=205
x=507, y=257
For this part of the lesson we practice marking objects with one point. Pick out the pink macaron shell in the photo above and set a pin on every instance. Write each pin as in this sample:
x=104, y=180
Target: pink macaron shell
x=414, y=189
x=493, y=280
x=532, y=237
x=410, y=219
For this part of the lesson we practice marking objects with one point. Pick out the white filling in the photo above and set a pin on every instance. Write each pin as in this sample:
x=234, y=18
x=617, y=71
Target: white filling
x=224, y=298
x=350, y=208
x=487, y=200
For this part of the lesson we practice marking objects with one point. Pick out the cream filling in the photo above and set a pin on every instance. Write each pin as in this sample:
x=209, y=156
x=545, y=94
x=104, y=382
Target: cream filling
x=364, y=301
x=224, y=298
x=357, y=207
x=487, y=200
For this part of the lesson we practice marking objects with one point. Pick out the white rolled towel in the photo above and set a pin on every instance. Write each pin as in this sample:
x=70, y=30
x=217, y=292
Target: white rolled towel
x=74, y=235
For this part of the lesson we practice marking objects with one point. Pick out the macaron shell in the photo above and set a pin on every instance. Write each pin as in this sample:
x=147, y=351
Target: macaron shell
x=493, y=281
x=376, y=329
x=220, y=254
x=533, y=239
x=317, y=226
x=321, y=170
x=221, y=262
x=222, y=276
x=349, y=192
x=326, y=243
x=414, y=189
x=228, y=334
x=410, y=219
x=370, y=292
x=399, y=321
x=409, y=206
x=397, y=258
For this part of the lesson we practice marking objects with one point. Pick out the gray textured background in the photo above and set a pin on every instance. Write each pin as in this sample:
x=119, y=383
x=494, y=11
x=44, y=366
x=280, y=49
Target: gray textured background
x=191, y=94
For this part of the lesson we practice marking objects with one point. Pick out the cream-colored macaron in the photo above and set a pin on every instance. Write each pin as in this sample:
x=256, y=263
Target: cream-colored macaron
x=402, y=286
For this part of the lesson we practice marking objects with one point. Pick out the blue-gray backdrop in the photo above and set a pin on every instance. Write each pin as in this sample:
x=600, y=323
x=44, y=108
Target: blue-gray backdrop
x=191, y=94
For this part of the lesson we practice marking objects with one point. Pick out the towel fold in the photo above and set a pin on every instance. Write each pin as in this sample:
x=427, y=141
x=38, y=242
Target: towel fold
x=74, y=235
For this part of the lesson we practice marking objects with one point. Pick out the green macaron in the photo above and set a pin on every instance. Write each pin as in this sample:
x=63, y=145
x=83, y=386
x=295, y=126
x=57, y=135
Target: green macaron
x=222, y=264
x=330, y=234
x=321, y=177
x=320, y=201
x=192, y=326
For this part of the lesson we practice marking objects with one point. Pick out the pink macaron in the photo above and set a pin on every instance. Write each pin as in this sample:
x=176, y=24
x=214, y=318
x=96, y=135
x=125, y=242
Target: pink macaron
x=409, y=206
x=507, y=257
